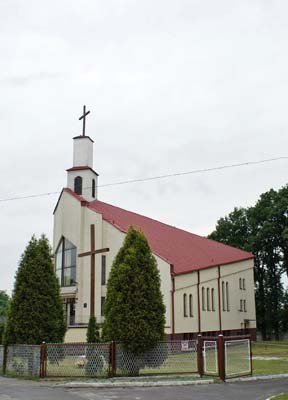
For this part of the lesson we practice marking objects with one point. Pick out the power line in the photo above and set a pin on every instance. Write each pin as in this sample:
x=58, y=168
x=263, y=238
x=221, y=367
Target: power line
x=153, y=178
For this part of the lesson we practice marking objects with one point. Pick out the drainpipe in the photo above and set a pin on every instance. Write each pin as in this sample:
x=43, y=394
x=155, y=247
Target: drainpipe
x=219, y=300
x=198, y=301
x=172, y=300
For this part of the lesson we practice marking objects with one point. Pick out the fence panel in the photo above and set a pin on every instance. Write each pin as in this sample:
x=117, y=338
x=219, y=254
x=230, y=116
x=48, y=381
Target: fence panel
x=237, y=357
x=165, y=357
x=1, y=358
x=210, y=357
x=77, y=360
x=23, y=360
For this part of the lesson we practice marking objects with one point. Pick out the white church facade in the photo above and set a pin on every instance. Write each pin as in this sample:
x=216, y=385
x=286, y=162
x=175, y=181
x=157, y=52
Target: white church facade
x=207, y=287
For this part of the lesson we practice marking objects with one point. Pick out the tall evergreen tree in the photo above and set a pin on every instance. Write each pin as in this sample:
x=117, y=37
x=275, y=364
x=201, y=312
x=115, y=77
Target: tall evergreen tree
x=134, y=309
x=36, y=310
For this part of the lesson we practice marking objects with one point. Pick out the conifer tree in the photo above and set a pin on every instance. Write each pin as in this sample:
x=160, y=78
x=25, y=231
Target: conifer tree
x=93, y=335
x=134, y=309
x=36, y=310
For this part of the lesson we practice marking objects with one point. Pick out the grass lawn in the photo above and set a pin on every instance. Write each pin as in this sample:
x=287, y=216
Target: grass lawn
x=283, y=396
x=270, y=358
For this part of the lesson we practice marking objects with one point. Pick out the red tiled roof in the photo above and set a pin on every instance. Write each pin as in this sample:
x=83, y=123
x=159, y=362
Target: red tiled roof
x=186, y=251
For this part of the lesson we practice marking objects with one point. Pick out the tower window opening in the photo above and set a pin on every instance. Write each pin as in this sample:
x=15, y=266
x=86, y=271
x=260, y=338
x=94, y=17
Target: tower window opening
x=78, y=185
x=93, y=188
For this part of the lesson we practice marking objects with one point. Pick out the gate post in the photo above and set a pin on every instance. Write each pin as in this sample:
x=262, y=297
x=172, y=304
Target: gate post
x=112, y=366
x=43, y=360
x=200, y=355
x=221, y=357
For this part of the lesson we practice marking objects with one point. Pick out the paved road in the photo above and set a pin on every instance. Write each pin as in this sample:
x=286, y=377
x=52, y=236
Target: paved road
x=12, y=389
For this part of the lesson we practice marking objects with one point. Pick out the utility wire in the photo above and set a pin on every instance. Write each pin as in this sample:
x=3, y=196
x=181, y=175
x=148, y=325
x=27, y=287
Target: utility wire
x=153, y=178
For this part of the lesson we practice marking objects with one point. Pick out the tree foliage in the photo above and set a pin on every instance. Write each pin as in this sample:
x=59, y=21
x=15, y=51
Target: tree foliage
x=263, y=230
x=4, y=303
x=93, y=335
x=36, y=310
x=134, y=309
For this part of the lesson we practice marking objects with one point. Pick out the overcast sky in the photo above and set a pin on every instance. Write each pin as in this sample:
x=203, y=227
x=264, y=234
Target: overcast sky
x=172, y=85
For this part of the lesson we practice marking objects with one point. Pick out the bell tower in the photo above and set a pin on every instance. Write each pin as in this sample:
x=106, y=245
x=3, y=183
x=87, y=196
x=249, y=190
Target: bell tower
x=81, y=178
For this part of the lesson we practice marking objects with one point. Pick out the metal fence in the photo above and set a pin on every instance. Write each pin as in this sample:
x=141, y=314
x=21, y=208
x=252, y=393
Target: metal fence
x=237, y=357
x=218, y=356
x=77, y=360
x=23, y=360
x=1, y=358
x=210, y=357
x=164, y=358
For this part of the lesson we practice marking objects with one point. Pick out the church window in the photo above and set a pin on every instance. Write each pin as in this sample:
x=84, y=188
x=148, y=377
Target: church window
x=208, y=299
x=190, y=305
x=78, y=185
x=223, y=297
x=227, y=297
x=213, y=299
x=203, y=299
x=103, y=270
x=102, y=305
x=185, y=305
x=66, y=263
x=93, y=188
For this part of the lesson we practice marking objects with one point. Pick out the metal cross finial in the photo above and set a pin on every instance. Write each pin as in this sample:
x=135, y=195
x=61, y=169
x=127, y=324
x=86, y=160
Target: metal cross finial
x=83, y=117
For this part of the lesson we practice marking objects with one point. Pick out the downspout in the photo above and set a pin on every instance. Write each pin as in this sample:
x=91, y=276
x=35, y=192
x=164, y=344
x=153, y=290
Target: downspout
x=219, y=300
x=172, y=300
x=198, y=302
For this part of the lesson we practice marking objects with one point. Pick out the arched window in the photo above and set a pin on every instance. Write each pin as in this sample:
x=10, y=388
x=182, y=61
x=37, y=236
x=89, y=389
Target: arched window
x=185, y=305
x=203, y=299
x=66, y=263
x=78, y=185
x=213, y=299
x=93, y=188
x=190, y=305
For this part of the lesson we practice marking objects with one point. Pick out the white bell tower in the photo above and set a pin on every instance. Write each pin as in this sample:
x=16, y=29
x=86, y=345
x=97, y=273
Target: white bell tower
x=81, y=178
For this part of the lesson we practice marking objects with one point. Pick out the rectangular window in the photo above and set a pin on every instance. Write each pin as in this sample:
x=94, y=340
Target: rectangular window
x=102, y=305
x=103, y=270
x=227, y=297
x=243, y=284
x=213, y=299
x=208, y=299
x=203, y=299
x=185, y=305
x=223, y=296
x=241, y=305
x=190, y=305
x=240, y=283
x=244, y=306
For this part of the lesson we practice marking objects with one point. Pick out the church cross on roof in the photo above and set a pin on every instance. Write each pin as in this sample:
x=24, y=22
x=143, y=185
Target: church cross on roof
x=85, y=113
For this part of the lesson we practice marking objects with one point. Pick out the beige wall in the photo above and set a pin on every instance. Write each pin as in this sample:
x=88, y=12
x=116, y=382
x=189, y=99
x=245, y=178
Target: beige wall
x=232, y=319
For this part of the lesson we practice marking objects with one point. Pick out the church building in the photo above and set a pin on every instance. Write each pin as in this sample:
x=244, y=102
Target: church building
x=207, y=287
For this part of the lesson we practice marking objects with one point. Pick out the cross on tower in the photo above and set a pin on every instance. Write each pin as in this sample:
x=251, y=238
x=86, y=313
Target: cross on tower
x=84, y=119
x=92, y=253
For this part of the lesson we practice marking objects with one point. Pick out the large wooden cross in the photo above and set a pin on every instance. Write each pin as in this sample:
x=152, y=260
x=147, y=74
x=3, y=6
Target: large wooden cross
x=92, y=253
x=85, y=113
